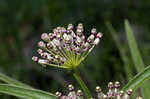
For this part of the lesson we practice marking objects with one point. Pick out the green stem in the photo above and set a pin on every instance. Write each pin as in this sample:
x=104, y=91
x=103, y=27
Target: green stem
x=82, y=84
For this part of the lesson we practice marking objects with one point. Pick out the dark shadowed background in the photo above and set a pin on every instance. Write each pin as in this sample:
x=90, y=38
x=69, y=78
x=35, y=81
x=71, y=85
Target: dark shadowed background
x=23, y=21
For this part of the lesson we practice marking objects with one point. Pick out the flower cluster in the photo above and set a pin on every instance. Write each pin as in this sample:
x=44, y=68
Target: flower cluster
x=65, y=48
x=113, y=93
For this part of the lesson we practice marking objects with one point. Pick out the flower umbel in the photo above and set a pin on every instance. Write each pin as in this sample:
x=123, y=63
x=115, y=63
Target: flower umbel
x=65, y=48
x=113, y=92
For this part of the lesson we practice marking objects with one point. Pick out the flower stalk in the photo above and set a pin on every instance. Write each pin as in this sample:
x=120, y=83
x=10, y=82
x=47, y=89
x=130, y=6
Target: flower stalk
x=82, y=84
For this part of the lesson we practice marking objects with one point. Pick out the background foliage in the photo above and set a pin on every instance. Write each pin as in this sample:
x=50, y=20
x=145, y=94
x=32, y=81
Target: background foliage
x=23, y=21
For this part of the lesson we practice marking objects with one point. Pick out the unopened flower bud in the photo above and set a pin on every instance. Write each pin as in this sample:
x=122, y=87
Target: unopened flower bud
x=93, y=31
x=129, y=91
x=80, y=26
x=71, y=87
x=42, y=61
x=117, y=84
x=40, y=51
x=45, y=37
x=56, y=42
x=41, y=44
x=91, y=37
x=79, y=93
x=98, y=89
x=58, y=94
x=121, y=93
x=99, y=35
x=34, y=58
x=110, y=85
x=70, y=27
x=96, y=41
x=50, y=45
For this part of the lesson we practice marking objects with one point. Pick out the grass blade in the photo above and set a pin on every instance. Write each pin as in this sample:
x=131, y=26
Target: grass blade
x=9, y=80
x=139, y=64
x=25, y=92
x=122, y=52
x=133, y=48
x=138, y=80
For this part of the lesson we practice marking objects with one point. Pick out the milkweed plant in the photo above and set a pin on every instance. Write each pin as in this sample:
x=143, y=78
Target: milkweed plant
x=67, y=48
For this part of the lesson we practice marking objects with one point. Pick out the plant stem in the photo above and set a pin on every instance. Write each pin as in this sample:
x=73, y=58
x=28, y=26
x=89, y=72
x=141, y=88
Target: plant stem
x=82, y=84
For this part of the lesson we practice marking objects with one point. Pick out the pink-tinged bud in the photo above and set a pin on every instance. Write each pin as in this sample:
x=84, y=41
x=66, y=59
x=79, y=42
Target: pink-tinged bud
x=55, y=30
x=58, y=36
x=79, y=30
x=98, y=89
x=35, y=59
x=49, y=45
x=64, y=35
x=45, y=37
x=42, y=61
x=91, y=37
x=129, y=91
x=41, y=44
x=68, y=38
x=68, y=32
x=79, y=34
x=121, y=93
x=93, y=31
x=99, y=35
x=96, y=41
x=44, y=55
x=71, y=87
x=83, y=37
x=86, y=45
x=110, y=85
x=56, y=42
x=58, y=94
x=70, y=27
x=79, y=93
x=80, y=26
x=117, y=84
x=78, y=41
x=40, y=51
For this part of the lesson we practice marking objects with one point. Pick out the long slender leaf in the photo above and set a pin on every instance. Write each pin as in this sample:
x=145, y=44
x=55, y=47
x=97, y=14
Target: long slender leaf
x=122, y=52
x=9, y=80
x=133, y=48
x=139, y=64
x=25, y=92
x=139, y=79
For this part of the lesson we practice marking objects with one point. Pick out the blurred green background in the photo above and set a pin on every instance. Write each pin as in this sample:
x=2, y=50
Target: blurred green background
x=23, y=21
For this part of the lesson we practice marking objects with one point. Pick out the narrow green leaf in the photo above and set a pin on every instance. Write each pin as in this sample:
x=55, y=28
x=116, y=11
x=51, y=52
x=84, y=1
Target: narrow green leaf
x=122, y=52
x=133, y=48
x=137, y=59
x=139, y=79
x=9, y=80
x=27, y=93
